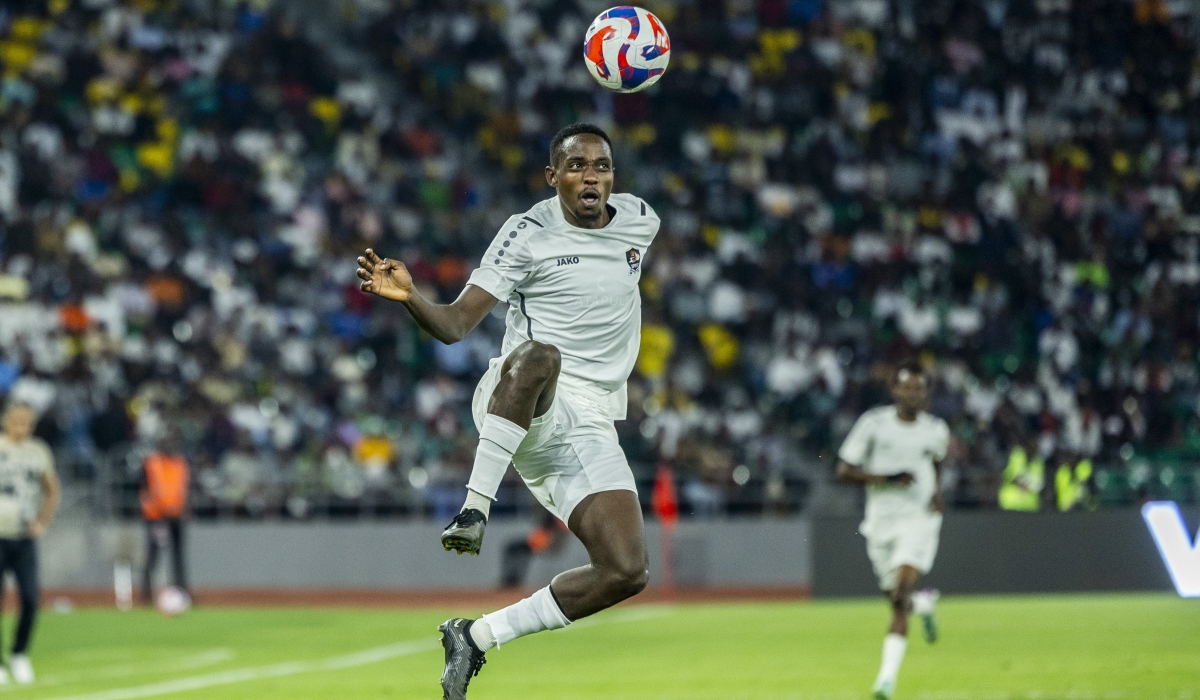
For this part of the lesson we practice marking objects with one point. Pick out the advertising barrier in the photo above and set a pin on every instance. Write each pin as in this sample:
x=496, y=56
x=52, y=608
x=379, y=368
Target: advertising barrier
x=1005, y=552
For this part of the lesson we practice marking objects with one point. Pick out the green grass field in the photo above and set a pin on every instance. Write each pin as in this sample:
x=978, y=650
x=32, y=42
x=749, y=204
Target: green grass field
x=1036, y=648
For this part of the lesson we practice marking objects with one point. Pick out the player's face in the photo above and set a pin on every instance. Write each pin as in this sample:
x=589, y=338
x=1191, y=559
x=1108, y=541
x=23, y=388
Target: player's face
x=18, y=423
x=910, y=391
x=583, y=178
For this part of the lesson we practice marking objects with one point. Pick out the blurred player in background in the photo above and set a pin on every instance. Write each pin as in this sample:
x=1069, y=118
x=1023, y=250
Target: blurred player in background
x=163, y=491
x=29, y=494
x=896, y=452
x=549, y=536
x=569, y=269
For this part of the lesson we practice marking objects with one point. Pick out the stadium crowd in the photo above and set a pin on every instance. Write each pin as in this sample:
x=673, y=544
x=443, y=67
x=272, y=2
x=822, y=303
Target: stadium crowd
x=1006, y=189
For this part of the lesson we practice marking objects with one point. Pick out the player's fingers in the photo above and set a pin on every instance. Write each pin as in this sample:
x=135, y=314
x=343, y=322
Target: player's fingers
x=365, y=286
x=375, y=259
x=365, y=264
x=363, y=274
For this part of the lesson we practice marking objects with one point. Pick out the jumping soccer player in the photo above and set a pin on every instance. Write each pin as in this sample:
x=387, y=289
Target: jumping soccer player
x=896, y=452
x=569, y=270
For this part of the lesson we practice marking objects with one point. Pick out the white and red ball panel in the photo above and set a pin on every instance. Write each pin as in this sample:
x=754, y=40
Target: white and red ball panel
x=626, y=49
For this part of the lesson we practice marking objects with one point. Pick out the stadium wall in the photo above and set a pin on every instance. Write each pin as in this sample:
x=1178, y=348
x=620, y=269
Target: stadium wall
x=997, y=552
x=981, y=552
x=408, y=556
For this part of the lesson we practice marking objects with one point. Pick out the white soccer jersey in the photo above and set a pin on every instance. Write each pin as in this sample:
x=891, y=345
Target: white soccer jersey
x=881, y=443
x=576, y=289
x=22, y=465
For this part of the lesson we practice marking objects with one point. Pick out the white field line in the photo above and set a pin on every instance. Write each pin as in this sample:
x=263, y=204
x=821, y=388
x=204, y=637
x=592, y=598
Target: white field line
x=255, y=673
x=185, y=663
x=948, y=695
x=334, y=663
x=1021, y=695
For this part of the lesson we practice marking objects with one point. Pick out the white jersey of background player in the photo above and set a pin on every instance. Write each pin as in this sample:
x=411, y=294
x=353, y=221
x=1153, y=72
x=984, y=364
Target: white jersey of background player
x=569, y=269
x=896, y=453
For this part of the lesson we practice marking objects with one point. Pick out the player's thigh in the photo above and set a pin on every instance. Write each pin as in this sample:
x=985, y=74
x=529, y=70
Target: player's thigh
x=541, y=360
x=917, y=544
x=610, y=526
x=880, y=550
x=541, y=429
x=24, y=565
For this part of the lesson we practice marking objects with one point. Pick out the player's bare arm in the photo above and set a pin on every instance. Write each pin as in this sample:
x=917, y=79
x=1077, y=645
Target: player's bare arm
x=848, y=473
x=937, y=504
x=448, y=323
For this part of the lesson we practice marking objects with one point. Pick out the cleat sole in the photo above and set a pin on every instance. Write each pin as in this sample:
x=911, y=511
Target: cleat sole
x=459, y=546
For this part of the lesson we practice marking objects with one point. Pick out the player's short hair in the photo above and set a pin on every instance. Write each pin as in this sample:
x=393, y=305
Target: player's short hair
x=909, y=368
x=556, y=149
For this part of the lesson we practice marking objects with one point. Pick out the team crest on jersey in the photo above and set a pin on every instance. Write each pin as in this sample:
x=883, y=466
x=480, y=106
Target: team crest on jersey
x=633, y=256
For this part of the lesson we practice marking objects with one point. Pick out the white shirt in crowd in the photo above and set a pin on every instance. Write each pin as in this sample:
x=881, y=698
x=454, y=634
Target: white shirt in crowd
x=22, y=465
x=576, y=289
x=881, y=443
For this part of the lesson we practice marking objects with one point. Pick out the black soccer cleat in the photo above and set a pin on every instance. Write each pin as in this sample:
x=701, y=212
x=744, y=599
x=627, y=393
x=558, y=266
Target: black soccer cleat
x=464, y=534
x=463, y=660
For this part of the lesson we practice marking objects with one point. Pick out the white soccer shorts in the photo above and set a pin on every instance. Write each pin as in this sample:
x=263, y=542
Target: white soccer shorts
x=907, y=542
x=570, y=453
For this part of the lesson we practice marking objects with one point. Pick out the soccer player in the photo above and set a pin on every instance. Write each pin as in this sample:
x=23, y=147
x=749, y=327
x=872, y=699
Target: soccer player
x=896, y=452
x=569, y=270
x=29, y=493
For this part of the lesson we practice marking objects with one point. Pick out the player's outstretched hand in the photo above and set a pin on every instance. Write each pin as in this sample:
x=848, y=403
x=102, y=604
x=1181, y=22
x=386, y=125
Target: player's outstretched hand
x=383, y=277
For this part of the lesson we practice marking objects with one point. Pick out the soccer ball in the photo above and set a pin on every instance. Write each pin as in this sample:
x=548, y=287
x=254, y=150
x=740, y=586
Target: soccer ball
x=172, y=601
x=626, y=49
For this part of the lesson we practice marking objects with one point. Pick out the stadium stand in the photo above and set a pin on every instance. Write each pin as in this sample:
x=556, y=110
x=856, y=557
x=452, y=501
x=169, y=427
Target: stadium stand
x=1008, y=190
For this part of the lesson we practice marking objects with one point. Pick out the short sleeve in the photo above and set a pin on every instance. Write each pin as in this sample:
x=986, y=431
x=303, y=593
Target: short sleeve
x=655, y=223
x=507, y=263
x=644, y=215
x=941, y=443
x=858, y=443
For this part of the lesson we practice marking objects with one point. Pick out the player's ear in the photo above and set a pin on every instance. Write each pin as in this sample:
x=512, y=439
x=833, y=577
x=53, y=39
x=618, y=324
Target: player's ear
x=551, y=176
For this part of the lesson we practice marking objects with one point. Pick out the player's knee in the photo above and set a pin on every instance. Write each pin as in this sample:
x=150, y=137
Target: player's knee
x=543, y=356
x=637, y=581
x=628, y=581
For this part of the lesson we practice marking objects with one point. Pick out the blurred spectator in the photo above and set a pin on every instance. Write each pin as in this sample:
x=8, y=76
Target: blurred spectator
x=163, y=492
x=1007, y=189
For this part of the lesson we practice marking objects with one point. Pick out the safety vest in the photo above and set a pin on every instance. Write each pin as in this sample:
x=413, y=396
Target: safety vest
x=165, y=495
x=1070, y=485
x=1021, y=485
